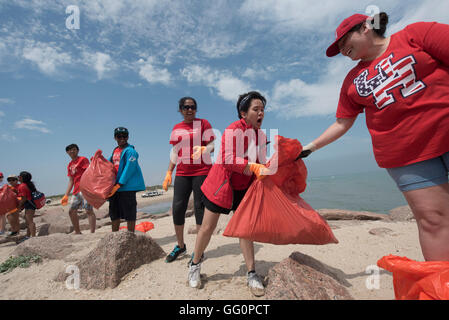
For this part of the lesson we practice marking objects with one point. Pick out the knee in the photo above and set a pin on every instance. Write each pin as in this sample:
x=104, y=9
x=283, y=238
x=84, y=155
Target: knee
x=432, y=219
x=207, y=228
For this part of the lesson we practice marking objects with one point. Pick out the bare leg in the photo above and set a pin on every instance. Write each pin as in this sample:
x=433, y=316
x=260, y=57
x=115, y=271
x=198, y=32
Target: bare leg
x=131, y=225
x=208, y=226
x=115, y=225
x=179, y=230
x=430, y=207
x=92, y=220
x=73, y=213
x=31, y=226
x=247, y=248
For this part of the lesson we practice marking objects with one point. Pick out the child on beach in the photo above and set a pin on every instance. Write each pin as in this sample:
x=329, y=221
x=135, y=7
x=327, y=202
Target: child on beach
x=192, y=164
x=122, y=199
x=227, y=182
x=75, y=170
x=24, y=190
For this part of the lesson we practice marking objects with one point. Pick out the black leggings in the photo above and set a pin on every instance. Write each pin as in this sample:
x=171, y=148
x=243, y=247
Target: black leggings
x=183, y=188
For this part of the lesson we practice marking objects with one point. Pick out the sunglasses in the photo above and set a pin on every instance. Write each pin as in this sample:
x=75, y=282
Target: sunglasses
x=121, y=136
x=187, y=107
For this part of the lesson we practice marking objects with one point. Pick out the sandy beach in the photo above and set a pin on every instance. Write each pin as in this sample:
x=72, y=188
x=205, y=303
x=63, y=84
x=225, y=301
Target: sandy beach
x=223, y=271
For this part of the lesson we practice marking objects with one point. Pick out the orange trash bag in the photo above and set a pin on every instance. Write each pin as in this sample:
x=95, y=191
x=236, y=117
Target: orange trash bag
x=413, y=280
x=142, y=227
x=98, y=180
x=8, y=199
x=272, y=210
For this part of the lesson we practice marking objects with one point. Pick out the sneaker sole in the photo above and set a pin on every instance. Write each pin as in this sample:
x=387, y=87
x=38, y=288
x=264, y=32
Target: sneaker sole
x=179, y=256
x=257, y=292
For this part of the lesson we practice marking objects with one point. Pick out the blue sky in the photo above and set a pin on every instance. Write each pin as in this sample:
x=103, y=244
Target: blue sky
x=131, y=60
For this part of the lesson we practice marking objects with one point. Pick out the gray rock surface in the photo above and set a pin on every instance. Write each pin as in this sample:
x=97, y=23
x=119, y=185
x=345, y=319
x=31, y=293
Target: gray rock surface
x=301, y=277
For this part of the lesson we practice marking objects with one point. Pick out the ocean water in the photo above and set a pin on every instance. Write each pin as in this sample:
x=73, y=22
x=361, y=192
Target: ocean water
x=368, y=191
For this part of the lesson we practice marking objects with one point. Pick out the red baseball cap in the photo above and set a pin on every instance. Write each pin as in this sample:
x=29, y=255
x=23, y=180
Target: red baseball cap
x=1, y=174
x=343, y=29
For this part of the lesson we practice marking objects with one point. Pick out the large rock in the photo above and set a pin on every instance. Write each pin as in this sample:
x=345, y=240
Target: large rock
x=403, y=213
x=301, y=277
x=56, y=246
x=338, y=214
x=116, y=255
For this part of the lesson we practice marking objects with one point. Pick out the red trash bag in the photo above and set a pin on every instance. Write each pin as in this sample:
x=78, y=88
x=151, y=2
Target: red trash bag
x=8, y=200
x=272, y=210
x=142, y=227
x=98, y=180
x=413, y=280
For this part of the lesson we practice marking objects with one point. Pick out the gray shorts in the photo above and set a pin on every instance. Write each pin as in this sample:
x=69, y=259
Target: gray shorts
x=420, y=175
x=77, y=202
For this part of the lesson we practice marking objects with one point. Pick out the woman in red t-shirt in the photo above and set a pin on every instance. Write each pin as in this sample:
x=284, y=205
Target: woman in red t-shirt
x=401, y=84
x=193, y=141
x=24, y=190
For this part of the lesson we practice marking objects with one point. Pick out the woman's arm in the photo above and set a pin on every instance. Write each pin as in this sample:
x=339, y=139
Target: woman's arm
x=334, y=132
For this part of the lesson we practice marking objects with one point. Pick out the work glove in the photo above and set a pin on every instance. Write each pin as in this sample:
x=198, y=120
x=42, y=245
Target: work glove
x=64, y=200
x=198, y=151
x=306, y=151
x=167, y=180
x=114, y=190
x=259, y=170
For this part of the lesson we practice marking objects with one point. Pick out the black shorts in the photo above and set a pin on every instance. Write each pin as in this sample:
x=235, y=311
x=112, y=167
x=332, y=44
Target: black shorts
x=238, y=196
x=123, y=205
x=29, y=205
x=183, y=187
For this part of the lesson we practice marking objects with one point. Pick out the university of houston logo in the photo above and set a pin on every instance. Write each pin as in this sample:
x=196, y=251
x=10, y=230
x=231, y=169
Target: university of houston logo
x=390, y=75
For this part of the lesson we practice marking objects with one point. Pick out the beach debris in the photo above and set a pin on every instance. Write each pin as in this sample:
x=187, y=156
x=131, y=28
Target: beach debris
x=301, y=277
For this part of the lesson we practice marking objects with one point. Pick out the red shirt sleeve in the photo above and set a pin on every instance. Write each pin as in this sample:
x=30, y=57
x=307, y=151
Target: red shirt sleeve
x=347, y=108
x=432, y=37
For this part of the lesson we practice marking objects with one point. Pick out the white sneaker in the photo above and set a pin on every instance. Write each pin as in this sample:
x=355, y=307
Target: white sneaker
x=255, y=284
x=194, y=275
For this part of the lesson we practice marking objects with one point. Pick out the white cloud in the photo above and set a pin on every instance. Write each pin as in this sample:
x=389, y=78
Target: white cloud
x=4, y=101
x=226, y=85
x=102, y=63
x=296, y=98
x=8, y=137
x=31, y=124
x=47, y=57
x=153, y=74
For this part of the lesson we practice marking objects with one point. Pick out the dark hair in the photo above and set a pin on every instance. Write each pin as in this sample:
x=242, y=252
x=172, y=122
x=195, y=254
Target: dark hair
x=26, y=178
x=382, y=18
x=245, y=99
x=71, y=146
x=183, y=100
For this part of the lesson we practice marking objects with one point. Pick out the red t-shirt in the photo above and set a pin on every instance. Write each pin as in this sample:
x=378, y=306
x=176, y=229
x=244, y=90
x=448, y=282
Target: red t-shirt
x=75, y=169
x=23, y=191
x=116, y=157
x=405, y=95
x=187, y=135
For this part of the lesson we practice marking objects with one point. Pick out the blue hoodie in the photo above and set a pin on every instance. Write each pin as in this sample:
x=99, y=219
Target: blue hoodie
x=129, y=174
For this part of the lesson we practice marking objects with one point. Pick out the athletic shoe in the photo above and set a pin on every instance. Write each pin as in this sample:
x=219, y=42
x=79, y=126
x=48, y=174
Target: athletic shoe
x=255, y=284
x=191, y=259
x=177, y=251
x=195, y=275
x=12, y=233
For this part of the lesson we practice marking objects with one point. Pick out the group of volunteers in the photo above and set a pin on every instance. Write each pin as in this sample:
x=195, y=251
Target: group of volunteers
x=400, y=82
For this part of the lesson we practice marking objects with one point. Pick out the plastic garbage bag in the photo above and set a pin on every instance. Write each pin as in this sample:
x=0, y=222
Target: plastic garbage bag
x=413, y=280
x=142, y=227
x=272, y=210
x=98, y=180
x=8, y=199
